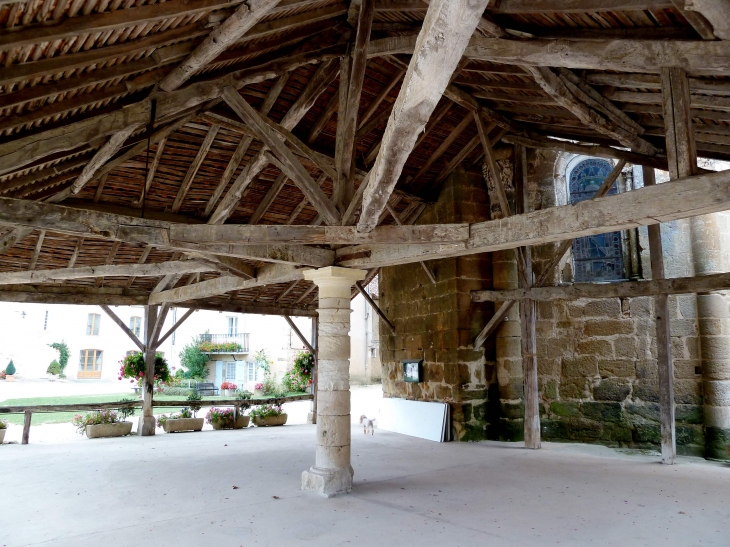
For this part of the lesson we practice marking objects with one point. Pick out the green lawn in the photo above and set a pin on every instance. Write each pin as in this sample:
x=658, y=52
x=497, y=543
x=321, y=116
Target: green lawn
x=60, y=417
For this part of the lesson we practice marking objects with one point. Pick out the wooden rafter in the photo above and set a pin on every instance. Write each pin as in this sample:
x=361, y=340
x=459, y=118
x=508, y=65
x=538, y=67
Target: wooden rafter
x=425, y=81
x=193, y=169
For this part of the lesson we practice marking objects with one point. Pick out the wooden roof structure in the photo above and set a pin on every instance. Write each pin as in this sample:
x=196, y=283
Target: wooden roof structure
x=202, y=152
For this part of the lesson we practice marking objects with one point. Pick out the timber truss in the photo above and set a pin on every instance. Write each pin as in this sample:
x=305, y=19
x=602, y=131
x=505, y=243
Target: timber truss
x=204, y=153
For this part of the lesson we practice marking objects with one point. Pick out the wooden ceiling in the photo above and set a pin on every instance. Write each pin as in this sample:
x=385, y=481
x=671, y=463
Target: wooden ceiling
x=71, y=69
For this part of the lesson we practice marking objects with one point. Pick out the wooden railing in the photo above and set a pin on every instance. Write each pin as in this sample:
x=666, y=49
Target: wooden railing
x=28, y=410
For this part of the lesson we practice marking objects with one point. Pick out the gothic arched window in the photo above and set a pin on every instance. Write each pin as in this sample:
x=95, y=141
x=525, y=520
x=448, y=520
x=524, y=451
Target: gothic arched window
x=599, y=257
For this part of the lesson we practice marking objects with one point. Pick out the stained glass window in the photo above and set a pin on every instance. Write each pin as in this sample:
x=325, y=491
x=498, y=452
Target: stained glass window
x=599, y=257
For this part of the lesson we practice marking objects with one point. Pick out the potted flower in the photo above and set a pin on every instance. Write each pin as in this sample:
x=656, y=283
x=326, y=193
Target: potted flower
x=133, y=367
x=258, y=389
x=184, y=420
x=102, y=423
x=268, y=415
x=222, y=418
x=10, y=372
x=228, y=389
x=53, y=370
x=299, y=377
x=3, y=429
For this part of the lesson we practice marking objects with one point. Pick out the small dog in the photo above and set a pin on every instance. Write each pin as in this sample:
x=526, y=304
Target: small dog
x=367, y=422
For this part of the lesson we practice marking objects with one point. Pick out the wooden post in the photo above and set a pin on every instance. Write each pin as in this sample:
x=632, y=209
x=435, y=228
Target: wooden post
x=663, y=340
x=146, y=425
x=315, y=334
x=236, y=414
x=528, y=315
x=26, y=427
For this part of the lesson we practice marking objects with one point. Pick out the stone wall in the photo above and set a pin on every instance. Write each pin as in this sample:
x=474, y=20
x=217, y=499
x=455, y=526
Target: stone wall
x=597, y=366
x=438, y=323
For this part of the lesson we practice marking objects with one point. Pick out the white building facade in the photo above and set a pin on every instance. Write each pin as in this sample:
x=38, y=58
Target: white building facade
x=97, y=345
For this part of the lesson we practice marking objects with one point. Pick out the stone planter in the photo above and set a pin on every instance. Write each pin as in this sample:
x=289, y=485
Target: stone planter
x=2, y=435
x=258, y=393
x=228, y=424
x=183, y=424
x=10, y=378
x=270, y=421
x=108, y=430
x=228, y=392
x=52, y=377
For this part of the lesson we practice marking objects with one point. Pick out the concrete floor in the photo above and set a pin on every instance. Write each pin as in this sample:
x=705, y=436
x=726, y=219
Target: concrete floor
x=178, y=490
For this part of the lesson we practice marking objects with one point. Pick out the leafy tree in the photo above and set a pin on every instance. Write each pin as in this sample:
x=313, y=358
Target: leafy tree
x=194, y=360
x=63, y=354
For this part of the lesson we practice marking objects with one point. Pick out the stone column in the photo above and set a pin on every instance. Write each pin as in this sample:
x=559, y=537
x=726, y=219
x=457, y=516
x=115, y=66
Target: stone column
x=714, y=322
x=146, y=424
x=332, y=473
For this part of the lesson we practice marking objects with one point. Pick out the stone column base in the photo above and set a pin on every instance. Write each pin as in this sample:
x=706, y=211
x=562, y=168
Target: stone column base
x=717, y=443
x=328, y=482
x=312, y=418
x=146, y=426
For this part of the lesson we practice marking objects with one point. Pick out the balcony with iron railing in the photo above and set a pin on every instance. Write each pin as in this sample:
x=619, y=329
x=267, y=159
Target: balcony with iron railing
x=224, y=343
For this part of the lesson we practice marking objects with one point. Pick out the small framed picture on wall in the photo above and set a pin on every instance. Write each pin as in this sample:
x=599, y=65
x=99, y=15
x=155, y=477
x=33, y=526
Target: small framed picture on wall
x=413, y=370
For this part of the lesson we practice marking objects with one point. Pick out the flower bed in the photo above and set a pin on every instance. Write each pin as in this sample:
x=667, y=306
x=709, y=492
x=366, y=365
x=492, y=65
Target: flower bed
x=222, y=418
x=102, y=423
x=224, y=347
x=268, y=415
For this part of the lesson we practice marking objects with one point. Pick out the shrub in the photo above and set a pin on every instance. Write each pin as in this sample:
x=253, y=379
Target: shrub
x=97, y=417
x=272, y=388
x=3, y=424
x=133, y=366
x=10, y=369
x=184, y=413
x=194, y=360
x=126, y=410
x=223, y=347
x=63, y=354
x=299, y=376
x=267, y=411
x=194, y=402
x=54, y=368
x=228, y=385
x=222, y=415
x=179, y=391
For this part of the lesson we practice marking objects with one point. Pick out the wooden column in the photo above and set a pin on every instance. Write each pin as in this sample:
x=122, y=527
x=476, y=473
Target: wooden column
x=315, y=333
x=528, y=314
x=682, y=160
x=146, y=424
x=26, y=427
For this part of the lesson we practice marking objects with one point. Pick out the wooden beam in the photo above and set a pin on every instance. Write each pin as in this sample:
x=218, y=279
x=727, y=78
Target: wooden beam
x=268, y=198
x=300, y=335
x=375, y=307
x=174, y=327
x=623, y=289
x=193, y=169
x=696, y=18
x=621, y=55
x=108, y=261
x=680, y=139
x=77, y=296
x=37, y=249
x=151, y=172
x=576, y=6
x=205, y=234
x=321, y=79
x=351, y=89
x=270, y=275
x=444, y=146
x=332, y=106
x=658, y=162
x=294, y=170
x=124, y=327
x=12, y=237
x=399, y=222
x=380, y=98
x=143, y=257
x=684, y=198
x=233, y=306
x=439, y=48
x=580, y=104
x=233, y=28
x=117, y=270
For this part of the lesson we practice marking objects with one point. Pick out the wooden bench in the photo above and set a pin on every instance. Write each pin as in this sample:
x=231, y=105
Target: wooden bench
x=206, y=388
